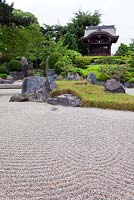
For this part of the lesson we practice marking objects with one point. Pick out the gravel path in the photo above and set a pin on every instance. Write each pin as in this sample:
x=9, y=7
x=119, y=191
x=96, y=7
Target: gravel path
x=66, y=154
x=130, y=91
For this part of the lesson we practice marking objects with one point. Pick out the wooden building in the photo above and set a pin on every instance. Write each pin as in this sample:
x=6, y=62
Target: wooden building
x=98, y=40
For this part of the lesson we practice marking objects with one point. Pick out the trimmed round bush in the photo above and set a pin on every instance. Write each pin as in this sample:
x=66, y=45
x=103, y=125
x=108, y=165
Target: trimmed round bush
x=14, y=65
x=82, y=61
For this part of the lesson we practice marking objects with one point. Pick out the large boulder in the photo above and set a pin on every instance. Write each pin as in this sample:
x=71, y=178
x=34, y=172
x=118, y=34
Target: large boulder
x=114, y=86
x=38, y=87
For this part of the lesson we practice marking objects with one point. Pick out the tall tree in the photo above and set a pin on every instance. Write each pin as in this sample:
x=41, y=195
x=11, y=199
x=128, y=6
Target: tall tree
x=5, y=13
x=10, y=16
x=73, y=30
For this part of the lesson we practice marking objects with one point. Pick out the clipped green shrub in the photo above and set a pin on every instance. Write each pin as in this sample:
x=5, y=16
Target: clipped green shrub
x=82, y=61
x=63, y=64
x=103, y=77
x=53, y=59
x=72, y=54
x=3, y=76
x=14, y=65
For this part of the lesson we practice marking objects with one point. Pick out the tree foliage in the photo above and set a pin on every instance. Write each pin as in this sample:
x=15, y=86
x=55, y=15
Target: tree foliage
x=5, y=13
x=73, y=31
x=10, y=16
x=21, y=41
x=122, y=50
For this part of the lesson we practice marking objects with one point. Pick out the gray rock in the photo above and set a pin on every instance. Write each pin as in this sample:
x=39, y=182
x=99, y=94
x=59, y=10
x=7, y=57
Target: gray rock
x=114, y=86
x=52, y=101
x=7, y=81
x=54, y=108
x=10, y=78
x=65, y=99
x=51, y=72
x=17, y=75
x=73, y=76
x=1, y=80
x=19, y=98
x=38, y=87
x=25, y=66
x=52, y=83
x=92, y=78
x=129, y=85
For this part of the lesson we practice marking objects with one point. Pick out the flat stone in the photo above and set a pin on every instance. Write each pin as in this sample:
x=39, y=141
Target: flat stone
x=19, y=98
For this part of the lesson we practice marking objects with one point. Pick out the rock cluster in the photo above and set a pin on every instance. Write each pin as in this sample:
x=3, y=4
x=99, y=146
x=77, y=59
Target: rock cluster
x=35, y=89
x=38, y=89
x=66, y=100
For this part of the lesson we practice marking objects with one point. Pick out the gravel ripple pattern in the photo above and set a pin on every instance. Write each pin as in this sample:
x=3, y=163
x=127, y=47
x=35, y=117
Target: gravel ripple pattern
x=64, y=153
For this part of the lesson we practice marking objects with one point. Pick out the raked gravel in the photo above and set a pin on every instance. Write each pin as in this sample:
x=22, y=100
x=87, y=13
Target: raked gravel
x=64, y=153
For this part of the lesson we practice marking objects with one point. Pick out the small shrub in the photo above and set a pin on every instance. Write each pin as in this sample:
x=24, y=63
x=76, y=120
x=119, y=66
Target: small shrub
x=82, y=61
x=14, y=65
x=63, y=64
x=125, y=77
x=75, y=70
x=103, y=77
x=91, y=69
x=131, y=80
x=3, y=76
x=114, y=70
x=2, y=69
x=72, y=54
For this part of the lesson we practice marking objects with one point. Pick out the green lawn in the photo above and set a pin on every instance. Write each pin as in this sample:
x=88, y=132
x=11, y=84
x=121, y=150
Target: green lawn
x=94, y=95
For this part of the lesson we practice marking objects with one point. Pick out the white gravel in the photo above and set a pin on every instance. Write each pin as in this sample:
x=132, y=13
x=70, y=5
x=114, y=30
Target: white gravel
x=64, y=153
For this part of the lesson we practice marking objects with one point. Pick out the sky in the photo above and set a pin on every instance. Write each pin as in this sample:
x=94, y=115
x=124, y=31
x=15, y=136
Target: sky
x=114, y=12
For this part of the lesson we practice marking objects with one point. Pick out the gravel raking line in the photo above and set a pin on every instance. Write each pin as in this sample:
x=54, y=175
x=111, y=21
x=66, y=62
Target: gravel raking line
x=66, y=154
